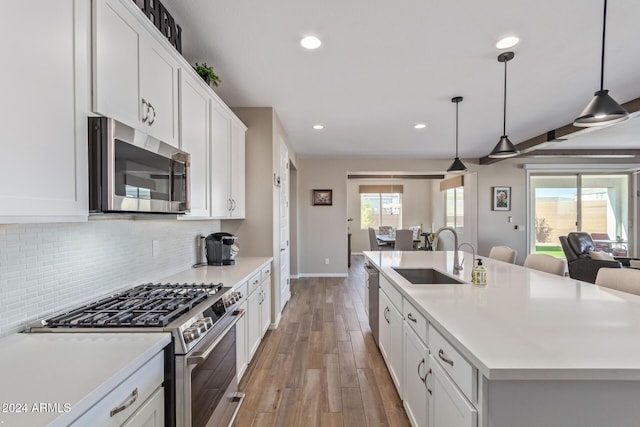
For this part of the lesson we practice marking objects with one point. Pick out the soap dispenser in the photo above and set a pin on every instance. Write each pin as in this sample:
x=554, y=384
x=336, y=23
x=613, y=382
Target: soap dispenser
x=479, y=274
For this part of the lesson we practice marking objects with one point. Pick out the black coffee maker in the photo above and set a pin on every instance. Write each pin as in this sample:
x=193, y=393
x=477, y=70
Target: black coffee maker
x=221, y=248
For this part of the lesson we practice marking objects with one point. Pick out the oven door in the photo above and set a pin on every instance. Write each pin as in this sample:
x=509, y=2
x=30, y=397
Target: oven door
x=206, y=380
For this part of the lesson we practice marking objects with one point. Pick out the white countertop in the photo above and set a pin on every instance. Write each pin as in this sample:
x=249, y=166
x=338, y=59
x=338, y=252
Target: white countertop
x=71, y=372
x=525, y=324
x=228, y=275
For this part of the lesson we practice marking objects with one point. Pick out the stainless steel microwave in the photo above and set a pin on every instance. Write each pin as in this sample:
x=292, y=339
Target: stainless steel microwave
x=130, y=171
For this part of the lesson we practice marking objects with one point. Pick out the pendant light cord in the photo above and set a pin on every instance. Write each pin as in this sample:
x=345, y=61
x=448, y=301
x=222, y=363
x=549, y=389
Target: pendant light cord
x=457, y=129
x=604, y=30
x=504, y=110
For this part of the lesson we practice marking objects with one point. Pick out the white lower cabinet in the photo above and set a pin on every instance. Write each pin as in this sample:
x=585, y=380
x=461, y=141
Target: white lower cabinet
x=390, y=337
x=449, y=407
x=416, y=369
x=241, y=342
x=265, y=306
x=254, y=325
x=137, y=401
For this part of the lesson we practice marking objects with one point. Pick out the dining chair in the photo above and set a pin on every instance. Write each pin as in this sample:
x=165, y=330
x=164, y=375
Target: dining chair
x=404, y=240
x=546, y=263
x=373, y=240
x=620, y=279
x=503, y=253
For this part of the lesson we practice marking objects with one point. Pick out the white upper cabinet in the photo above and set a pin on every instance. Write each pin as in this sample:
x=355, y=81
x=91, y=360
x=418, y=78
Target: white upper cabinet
x=237, y=166
x=45, y=86
x=135, y=76
x=194, y=138
x=227, y=163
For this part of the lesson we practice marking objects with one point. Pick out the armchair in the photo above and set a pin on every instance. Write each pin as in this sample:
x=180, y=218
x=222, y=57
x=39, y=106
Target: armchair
x=576, y=247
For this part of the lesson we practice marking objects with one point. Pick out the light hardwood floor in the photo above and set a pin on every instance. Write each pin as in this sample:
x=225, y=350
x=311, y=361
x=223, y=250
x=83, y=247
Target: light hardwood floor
x=321, y=366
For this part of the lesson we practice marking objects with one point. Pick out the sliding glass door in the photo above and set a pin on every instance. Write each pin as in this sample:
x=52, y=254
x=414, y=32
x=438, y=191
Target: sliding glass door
x=594, y=203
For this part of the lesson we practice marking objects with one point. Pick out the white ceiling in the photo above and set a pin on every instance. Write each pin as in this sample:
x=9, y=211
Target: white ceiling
x=385, y=66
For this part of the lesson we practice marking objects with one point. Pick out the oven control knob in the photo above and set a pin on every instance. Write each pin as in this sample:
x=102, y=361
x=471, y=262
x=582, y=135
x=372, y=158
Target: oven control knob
x=191, y=334
x=208, y=321
x=200, y=326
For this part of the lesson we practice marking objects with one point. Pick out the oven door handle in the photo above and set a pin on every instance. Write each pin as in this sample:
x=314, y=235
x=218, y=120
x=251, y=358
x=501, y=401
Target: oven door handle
x=201, y=356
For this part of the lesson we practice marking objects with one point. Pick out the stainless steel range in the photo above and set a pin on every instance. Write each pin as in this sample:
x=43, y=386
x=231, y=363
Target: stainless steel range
x=200, y=378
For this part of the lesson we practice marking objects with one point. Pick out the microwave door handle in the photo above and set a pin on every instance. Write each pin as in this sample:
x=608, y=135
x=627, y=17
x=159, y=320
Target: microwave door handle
x=200, y=356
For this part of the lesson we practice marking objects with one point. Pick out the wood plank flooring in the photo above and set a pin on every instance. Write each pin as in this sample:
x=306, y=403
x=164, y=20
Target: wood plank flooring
x=321, y=366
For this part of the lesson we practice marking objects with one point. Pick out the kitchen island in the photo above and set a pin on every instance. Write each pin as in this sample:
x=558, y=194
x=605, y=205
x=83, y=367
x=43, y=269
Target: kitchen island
x=528, y=349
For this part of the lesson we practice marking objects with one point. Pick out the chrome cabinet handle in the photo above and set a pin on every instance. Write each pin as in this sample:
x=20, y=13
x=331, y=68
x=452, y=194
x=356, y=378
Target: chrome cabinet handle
x=444, y=358
x=233, y=204
x=229, y=205
x=145, y=110
x=420, y=376
x=131, y=400
x=386, y=311
x=153, y=119
x=425, y=380
x=413, y=319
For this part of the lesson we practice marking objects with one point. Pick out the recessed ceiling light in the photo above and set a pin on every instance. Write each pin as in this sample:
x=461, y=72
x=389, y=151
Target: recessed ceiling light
x=310, y=42
x=318, y=127
x=420, y=126
x=507, y=42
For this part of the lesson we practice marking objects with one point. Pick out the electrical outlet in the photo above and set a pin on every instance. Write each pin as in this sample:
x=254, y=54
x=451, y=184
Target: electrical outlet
x=155, y=248
x=326, y=261
x=510, y=218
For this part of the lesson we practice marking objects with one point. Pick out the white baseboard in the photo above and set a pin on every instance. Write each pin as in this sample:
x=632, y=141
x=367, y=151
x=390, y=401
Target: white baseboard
x=323, y=275
x=294, y=276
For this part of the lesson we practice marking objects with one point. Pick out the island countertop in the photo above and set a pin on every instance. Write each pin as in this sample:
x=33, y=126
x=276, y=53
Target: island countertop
x=525, y=324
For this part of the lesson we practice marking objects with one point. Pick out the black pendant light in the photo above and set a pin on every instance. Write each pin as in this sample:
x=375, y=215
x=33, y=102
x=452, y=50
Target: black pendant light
x=504, y=148
x=602, y=110
x=457, y=166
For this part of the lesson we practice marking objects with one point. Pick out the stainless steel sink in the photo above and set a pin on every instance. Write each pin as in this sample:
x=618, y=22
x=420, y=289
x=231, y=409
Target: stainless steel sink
x=426, y=276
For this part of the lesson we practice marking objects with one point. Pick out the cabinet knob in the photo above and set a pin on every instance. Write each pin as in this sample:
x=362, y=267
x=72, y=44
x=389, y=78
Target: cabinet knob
x=413, y=319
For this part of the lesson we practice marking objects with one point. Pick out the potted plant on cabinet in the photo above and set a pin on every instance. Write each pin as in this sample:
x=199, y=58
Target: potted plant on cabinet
x=207, y=73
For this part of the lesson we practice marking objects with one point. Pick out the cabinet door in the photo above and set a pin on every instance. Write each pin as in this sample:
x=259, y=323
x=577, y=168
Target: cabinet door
x=416, y=367
x=237, y=166
x=449, y=407
x=220, y=134
x=150, y=414
x=116, y=49
x=254, y=326
x=395, y=351
x=158, y=87
x=45, y=86
x=194, y=138
x=241, y=342
x=384, y=325
x=265, y=308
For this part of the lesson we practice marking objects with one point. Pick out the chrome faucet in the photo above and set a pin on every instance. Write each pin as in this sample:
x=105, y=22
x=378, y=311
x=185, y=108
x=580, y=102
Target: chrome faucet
x=456, y=262
x=473, y=250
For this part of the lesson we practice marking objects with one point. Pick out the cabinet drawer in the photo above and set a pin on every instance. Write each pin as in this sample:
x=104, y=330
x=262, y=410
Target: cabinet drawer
x=461, y=372
x=416, y=320
x=133, y=391
x=394, y=295
x=254, y=281
x=265, y=272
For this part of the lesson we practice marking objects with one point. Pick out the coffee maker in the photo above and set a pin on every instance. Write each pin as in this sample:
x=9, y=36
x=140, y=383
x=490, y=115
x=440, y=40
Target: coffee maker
x=221, y=248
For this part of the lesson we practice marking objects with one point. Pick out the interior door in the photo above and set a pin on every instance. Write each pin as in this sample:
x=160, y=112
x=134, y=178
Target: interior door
x=285, y=290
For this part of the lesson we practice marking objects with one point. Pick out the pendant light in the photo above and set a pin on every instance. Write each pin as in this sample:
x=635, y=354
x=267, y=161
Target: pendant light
x=602, y=110
x=457, y=166
x=504, y=148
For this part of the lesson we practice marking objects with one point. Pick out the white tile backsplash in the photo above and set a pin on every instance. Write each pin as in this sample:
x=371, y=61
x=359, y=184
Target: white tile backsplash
x=46, y=268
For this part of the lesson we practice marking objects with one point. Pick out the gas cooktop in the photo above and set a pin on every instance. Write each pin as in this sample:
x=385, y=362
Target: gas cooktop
x=147, y=305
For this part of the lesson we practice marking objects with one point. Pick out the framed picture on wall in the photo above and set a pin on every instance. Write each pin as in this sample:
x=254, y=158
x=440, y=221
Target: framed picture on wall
x=501, y=198
x=322, y=197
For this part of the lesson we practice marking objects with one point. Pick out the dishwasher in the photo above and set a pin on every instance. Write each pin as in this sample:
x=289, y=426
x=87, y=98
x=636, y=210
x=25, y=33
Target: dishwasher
x=373, y=289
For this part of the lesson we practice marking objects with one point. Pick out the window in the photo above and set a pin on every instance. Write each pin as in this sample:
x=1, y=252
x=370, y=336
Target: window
x=378, y=209
x=454, y=208
x=596, y=203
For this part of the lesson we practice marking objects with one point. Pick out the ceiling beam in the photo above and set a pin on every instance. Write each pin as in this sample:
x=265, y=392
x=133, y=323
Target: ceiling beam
x=554, y=135
x=586, y=153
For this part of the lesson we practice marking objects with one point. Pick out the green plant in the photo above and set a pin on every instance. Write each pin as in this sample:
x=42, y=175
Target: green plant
x=207, y=73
